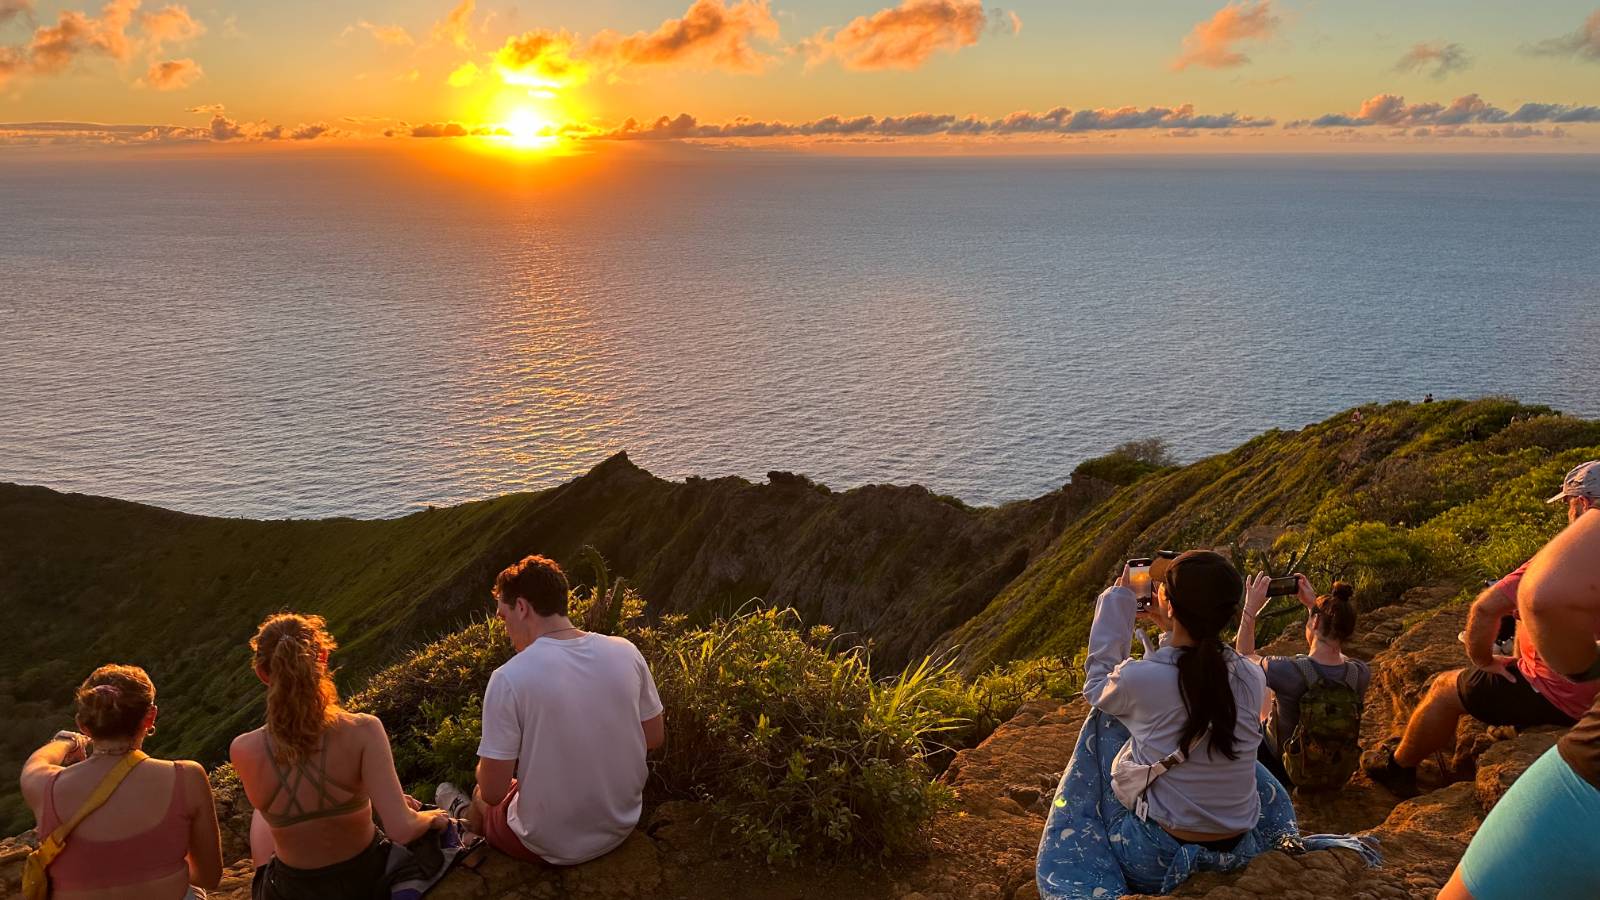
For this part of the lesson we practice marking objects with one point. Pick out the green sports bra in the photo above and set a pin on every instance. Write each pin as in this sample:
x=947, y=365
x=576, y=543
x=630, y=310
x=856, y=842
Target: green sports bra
x=293, y=777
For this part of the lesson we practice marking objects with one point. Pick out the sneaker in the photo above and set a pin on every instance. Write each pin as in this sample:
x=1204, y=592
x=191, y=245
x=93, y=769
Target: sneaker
x=451, y=799
x=1379, y=765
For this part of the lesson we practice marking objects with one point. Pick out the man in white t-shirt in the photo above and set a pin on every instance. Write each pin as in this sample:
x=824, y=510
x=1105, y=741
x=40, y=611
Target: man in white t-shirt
x=566, y=725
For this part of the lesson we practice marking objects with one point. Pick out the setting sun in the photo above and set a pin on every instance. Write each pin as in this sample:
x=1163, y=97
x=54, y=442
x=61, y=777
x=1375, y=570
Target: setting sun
x=529, y=129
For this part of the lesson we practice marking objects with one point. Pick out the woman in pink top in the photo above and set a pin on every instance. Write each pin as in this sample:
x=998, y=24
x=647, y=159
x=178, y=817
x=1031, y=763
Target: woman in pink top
x=156, y=838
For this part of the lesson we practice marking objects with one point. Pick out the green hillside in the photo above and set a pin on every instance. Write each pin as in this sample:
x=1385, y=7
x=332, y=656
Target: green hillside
x=1448, y=492
x=86, y=580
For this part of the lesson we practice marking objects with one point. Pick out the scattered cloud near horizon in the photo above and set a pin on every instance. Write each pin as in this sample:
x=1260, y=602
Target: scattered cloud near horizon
x=1213, y=44
x=1436, y=60
x=172, y=74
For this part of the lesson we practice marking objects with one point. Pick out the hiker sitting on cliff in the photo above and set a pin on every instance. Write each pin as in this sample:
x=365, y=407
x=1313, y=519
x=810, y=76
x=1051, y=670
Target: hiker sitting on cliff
x=1164, y=781
x=150, y=832
x=1520, y=691
x=1539, y=840
x=315, y=775
x=567, y=722
x=1313, y=727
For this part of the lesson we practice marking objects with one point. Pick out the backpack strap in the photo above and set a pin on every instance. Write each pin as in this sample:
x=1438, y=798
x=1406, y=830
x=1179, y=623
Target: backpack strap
x=108, y=786
x=1308, y=671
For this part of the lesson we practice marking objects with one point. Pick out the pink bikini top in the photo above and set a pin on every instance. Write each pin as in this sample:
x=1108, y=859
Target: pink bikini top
x=89, y=864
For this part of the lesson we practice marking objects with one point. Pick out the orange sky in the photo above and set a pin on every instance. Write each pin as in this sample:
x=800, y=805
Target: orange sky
x=941, y=76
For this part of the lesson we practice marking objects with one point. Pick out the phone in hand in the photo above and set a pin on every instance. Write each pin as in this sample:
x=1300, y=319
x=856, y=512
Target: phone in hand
x=1139, y=581
x=1283, y=586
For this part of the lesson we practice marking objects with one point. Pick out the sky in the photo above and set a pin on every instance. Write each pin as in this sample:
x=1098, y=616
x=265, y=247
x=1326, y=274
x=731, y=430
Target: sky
x=1027, y=76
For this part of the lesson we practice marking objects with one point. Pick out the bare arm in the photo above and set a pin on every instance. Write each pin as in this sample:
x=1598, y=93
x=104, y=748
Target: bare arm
x=1483, y=621
x=1255, y=597
x=1560, y=596
x=655, y=732
x=205, y=839
x=400, y=822
x=494, y=779
x=44, y=762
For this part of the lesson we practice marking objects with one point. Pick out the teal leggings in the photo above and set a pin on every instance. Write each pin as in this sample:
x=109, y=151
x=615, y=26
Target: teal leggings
x=1539, y=840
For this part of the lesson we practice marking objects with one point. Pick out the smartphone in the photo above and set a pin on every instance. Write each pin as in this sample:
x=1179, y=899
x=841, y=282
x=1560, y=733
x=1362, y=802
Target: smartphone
x=1139, y=580
x=1286, y=586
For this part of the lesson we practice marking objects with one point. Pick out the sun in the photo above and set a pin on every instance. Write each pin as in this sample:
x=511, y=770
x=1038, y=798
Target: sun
x=528, y=129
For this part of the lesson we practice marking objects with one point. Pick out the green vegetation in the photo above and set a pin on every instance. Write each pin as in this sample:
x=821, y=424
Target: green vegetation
x=785, y=734
x=1407, y=494
x=1128, y=462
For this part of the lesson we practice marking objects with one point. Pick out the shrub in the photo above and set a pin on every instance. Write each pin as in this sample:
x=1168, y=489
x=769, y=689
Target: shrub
x=791, y=741
x=1128, y=462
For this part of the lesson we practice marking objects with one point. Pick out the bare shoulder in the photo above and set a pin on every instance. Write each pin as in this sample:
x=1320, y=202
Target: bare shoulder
x=193, y=774
x=365, y=726
x=248, y=746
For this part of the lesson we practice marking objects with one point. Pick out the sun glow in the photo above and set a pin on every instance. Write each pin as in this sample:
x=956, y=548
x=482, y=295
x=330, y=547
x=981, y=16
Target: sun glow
x=528, y=129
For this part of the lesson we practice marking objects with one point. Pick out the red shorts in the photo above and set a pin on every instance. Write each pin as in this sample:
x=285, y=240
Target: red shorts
x=497, y=831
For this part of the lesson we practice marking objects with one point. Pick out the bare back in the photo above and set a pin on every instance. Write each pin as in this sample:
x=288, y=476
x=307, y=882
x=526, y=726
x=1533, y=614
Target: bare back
x=317, y=808
x=143, y=803
x=1559, y=595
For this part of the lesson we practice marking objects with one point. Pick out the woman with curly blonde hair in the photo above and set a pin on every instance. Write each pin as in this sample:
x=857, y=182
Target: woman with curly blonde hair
x=155, y=837
x=315, y=774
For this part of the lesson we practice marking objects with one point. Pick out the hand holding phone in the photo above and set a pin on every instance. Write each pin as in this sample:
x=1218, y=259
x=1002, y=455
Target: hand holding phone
x=1136, y=577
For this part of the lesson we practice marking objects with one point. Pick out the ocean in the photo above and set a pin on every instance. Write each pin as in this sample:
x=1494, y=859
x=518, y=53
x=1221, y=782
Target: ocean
x=299, y=335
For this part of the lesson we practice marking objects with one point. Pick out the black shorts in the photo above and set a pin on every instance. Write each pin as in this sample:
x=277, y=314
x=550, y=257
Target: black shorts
x=1493, y=700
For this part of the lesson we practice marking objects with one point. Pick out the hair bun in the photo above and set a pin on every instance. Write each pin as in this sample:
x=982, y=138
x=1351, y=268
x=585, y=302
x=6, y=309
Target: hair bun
x=1343, y=591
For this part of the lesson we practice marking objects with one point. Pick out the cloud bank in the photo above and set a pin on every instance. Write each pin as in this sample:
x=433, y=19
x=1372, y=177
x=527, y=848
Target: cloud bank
x=1060, y=120
x=1393, y=111
x=1212, y=44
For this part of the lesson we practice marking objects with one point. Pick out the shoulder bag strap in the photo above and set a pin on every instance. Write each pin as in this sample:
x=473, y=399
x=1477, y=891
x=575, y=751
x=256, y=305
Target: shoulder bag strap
x=102, y=793
x=1308, y=671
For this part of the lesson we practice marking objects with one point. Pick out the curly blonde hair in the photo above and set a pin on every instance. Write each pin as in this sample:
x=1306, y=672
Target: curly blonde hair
x=301, y=699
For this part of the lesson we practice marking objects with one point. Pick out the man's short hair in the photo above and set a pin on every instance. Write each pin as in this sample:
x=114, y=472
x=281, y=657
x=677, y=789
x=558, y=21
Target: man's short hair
x=537, y=580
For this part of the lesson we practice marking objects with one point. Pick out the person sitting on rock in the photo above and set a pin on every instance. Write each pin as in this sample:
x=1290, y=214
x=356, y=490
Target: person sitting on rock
x=1520, y=691
x=1313, y=726
x=316, y=774
x=567, y=723
x=1164, y=780
x=155, y=837
x=1539, y=839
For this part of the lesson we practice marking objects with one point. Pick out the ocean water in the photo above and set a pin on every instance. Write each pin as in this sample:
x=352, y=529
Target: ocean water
x=301, y=335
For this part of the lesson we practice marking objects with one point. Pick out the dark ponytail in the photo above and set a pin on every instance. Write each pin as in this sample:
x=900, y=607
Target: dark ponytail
x=1334, y=615
x=1205, y=590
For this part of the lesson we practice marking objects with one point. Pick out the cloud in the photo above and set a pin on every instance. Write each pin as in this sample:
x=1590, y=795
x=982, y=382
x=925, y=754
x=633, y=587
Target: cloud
x=904, y=36
x=439, y=129
x=387, y=35
x=311, y=132
x=220, y=129
x=172, y=74
x=1211, y=43
x=54, y=48
x=711, y=34
x=169, y=25
x=1060, y=120
x=12, y=9
x=540, y=58
x=1585, y=42
x=464, y=75
x=225, y=129
x=1392, y=110
x=1436, y=60
x=454, y=29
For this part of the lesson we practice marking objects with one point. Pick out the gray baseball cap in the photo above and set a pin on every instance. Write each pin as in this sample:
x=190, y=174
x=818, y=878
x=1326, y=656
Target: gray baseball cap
x=1582, y=481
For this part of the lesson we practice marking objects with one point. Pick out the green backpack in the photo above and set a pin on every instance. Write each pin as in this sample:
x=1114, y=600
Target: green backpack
x=1325, y=748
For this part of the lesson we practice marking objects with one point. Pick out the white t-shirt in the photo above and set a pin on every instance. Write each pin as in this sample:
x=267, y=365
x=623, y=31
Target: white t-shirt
x=568, y=711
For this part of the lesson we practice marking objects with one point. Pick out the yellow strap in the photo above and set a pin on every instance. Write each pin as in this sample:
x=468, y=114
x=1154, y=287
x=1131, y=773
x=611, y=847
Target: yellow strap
x=108, y=786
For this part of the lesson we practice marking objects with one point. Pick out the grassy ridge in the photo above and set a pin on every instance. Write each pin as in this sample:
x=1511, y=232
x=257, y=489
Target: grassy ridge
x=1448, y=491
x=86, y=580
